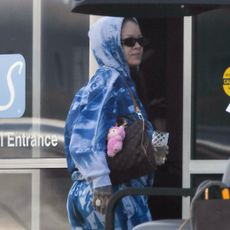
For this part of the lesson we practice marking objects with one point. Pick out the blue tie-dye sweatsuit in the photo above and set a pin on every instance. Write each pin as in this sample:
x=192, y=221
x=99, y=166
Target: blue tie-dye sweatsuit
x=94, y=110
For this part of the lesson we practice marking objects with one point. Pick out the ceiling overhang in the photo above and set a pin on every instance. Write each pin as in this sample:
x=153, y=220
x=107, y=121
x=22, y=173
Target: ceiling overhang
x=146, y=8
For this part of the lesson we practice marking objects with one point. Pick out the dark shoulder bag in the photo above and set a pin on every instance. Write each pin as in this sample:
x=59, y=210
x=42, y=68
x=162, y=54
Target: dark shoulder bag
x=210, y=207
x=137, y=155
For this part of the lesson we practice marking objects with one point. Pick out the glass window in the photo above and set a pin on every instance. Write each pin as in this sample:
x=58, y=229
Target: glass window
x=55, y=185
x=199, y=178
x=65, y=55
x=32, y=198
x=36, y=198
x=15, y=201
x=64, y=69
x=16, y=37
x=31, y=138
x=211, y=59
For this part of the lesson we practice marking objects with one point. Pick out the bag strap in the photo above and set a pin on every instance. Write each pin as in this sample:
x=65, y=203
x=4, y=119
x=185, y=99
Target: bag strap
x=137, y=108
x=138, y=112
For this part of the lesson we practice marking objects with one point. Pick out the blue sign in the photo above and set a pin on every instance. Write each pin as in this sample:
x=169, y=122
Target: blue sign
x=12, y=86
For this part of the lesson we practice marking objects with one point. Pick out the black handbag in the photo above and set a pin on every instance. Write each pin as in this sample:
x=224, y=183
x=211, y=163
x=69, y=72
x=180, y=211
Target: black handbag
x=137, y=155
x=210, y=209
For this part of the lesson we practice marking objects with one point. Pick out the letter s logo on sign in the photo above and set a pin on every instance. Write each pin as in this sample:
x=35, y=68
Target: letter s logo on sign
x=12, y=86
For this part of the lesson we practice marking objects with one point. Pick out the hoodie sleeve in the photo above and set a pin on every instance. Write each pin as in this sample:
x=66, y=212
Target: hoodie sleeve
x=89, y=133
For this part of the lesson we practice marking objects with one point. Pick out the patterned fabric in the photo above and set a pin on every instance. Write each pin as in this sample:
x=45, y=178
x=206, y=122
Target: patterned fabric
x=131, y=211
x=93, y=111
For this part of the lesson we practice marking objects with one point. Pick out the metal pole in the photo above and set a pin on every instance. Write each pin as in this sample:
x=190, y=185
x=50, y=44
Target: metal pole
x=109, y=218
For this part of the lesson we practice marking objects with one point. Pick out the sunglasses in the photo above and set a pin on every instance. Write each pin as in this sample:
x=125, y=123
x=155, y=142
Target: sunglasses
x=130, y=42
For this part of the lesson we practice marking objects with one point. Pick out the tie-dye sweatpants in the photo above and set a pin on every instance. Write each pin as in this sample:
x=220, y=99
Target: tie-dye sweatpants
x=130, y=211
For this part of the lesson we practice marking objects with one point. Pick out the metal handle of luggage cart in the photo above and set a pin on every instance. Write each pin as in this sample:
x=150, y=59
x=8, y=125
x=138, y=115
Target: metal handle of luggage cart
x=109, y=220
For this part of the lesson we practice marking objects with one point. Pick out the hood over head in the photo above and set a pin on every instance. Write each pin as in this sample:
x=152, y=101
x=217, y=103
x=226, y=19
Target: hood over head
x=105, y=42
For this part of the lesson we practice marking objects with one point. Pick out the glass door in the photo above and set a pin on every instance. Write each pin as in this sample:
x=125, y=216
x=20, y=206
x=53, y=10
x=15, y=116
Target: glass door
x=206, y=123
x=43, y=42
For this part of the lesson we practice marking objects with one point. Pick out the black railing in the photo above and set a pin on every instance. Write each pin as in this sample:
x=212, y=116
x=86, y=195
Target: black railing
x=149, y=191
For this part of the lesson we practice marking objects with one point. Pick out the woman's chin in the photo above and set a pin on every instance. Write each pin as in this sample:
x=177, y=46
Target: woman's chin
x=134, y=63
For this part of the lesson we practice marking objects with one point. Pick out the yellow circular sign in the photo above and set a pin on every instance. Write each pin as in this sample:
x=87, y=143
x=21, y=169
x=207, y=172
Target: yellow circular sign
x=226, y=81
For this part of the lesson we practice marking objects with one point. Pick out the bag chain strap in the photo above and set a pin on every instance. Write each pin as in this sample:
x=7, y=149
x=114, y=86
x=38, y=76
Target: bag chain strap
x=140, y=116
x=137, y=108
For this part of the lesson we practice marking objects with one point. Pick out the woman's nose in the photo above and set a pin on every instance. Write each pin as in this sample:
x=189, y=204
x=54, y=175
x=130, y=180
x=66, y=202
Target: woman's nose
x=137, y=45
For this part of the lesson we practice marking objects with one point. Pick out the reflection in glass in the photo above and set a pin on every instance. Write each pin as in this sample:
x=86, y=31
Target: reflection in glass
x=211, y=59
x=18, y=138
x=199, y=178
x=65, y=54
x=32, y=198
x=15, y=201
x=55, y=184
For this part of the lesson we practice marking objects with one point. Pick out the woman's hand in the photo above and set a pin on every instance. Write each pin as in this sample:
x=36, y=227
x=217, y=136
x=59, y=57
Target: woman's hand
x=161, y=154
x=101, y=198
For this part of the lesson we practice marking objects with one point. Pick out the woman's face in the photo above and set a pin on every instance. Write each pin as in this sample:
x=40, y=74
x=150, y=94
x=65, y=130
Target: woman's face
x=132, y=49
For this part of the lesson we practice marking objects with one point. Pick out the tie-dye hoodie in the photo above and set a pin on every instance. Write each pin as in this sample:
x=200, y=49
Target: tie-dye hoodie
x=96, y=106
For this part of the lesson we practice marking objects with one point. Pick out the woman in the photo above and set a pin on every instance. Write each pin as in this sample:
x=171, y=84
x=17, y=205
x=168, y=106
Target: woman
x=117, y=45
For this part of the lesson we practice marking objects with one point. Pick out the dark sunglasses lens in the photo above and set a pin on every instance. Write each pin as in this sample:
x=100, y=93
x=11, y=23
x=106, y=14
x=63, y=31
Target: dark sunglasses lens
x=140, y=41
x=130, y=42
